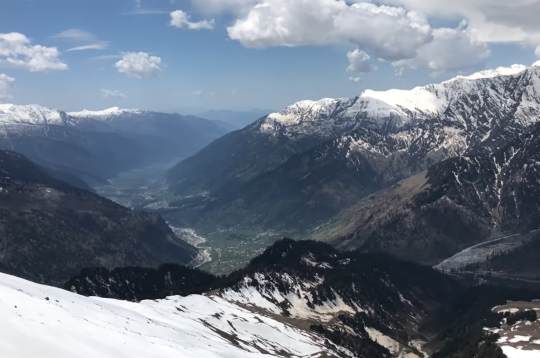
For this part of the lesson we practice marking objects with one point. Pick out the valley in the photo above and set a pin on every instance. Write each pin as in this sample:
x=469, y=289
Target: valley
x=270, y=179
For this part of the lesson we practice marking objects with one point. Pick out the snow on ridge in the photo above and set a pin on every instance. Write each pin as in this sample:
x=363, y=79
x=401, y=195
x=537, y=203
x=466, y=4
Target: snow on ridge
x=105, y=113
x=31, y=114
x=491, y=73
x=401, y=104
x=62, y=324
x=416, y=99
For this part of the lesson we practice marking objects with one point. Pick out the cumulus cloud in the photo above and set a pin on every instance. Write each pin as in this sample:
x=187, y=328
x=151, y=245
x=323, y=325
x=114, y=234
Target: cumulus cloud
x=450, y=49
x=5, y=84
x=489, y=20
x=81, y=40
x=139, y=65
x=388, y=32
x=181, y=20
x=359, y=63
x=537, y=51
x=17, y=50
x=223, y=6
x=111, y=93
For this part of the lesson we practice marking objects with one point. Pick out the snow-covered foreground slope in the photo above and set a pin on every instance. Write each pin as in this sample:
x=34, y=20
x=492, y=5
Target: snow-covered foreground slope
x=41, y=321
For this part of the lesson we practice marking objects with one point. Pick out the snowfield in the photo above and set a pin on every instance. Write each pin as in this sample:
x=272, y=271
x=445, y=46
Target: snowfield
x=46, y=322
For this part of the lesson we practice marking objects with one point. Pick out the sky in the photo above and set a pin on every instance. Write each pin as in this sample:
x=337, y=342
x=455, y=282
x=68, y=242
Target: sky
x=197, y=55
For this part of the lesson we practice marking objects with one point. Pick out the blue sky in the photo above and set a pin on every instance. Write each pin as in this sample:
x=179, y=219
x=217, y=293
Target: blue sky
x=244, y=69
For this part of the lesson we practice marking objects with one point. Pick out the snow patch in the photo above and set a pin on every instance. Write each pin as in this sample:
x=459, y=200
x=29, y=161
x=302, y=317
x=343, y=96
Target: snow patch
x=104, y=114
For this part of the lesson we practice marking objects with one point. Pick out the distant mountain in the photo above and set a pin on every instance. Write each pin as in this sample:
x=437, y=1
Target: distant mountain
x=50, y=230
x=95, y=145
x=234, y=119
x=293, y=171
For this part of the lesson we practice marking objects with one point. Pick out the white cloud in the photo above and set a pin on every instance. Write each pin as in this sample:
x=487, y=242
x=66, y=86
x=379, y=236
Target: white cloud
x=76, y=35
x=108, y=93
x=359, y=62
x=489, y=20
x=388, y=32
x=139, y=65
x=81, y=40
x=450, y=50
x=5, y=84
x=223, y=6
x=537, y=51
x=17, y=50
x=94, y=46
x=181, y=20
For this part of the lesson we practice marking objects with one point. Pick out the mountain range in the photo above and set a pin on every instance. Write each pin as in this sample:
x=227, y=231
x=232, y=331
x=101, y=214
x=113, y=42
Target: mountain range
x=96, y=145
x=423, y=205
x=421, y=173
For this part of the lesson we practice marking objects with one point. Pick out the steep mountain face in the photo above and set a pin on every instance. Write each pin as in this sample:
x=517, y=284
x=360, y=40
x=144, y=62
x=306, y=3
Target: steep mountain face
x=373, y=305
x=460, y=202
x=95, y=145
x=50, y=230
x=427, y=122
x=292, y=172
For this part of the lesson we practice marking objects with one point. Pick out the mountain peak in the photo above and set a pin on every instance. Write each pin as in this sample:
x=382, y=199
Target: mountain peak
x=382, y=107
x=31, y=114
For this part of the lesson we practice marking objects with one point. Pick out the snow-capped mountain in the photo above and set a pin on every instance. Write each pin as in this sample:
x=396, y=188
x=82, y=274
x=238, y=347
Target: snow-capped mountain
x=438, y=120
x=293, y=171
x=105, y=114
x=452, y=100
x=95, y=145
x=11, y=114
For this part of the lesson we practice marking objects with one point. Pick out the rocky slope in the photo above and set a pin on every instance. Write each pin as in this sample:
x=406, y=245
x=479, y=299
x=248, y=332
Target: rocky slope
x=50, y=230
x=483, y=196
